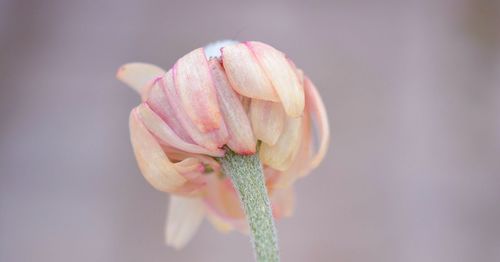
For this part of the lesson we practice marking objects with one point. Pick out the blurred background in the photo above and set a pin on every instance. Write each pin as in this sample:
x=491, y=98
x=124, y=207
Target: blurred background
x=413, y=94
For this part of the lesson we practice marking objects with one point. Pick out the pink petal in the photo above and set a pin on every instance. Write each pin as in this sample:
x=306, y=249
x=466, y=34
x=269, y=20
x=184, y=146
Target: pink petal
x=183, y=219
x=282, y=201
x=211, y=140
x=268, y=120
x=245, y=74
x=282, y=76
x=152, y=161
x=317, y=109
x=167, y=136
x=159, y=103
x=196, y=90
x=241, y=139
x=280, y=155
x=139, y=76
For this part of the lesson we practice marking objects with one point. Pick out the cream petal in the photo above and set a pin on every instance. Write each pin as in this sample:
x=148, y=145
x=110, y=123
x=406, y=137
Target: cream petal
x=183, y=219
x=152, y=161
x=211, y=140
x=241, y=139
x=138, y=76
x=163, y=132
x=282, y=75
x=280, y=155
x=245, y=74
x=302, y=161
x=268, y=120
x=316, y=108
x=196, y=90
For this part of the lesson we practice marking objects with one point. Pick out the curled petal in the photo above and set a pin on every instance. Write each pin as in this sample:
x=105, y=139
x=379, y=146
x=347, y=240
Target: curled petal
x=167, y=136
x=245, y=74
x=241, y=139
x=139, y=76
x=152, y=161
x=317, y=109
x=212, y=140
x=268, y=120
x=282, y=76
x=280, y=155
x=183, y=219
x=196, y=90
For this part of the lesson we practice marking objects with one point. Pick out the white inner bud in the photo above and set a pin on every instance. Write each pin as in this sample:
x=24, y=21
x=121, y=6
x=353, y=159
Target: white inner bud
x=212, y=50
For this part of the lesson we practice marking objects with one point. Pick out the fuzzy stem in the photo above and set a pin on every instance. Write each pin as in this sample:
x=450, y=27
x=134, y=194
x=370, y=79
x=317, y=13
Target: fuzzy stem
x=248, y=180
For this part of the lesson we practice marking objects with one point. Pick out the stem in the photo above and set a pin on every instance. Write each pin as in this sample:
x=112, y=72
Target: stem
x=248, y=179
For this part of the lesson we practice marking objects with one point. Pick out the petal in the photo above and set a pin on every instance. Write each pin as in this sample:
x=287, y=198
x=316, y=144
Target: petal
x=280, y=155
x=317, y=109
x=196, y=90
x=159, y=103
x=166, y=135
x=282, y=76
x=268, y=120
x=282, y=202
x=245, y=74
x=302, y=161
x=223, y=205
x=152, y=161
x=139, y=76
x=241, y=139
x=183, y=219
x=211, y=140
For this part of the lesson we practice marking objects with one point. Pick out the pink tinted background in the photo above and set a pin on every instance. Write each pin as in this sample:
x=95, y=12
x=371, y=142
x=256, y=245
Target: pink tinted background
x=413, y=94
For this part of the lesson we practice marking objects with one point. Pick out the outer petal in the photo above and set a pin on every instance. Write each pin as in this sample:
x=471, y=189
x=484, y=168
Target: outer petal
x=196, y=90
x=245, y=74
x=280, y=155
x=152, y=161
x=164, y=133
x=211, y=140
x=316, y=108
x=183, y=219
x=282, y=76
x=241, y=139
x=139, y=76
x=268, y=120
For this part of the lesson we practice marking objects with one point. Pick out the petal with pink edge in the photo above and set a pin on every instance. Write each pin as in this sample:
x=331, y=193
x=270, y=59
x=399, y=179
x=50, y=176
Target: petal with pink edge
x=241, y=139
x=183, y=219
x=282, y=75
x=167, y=136
x=245, y=74
x=196, y=90
x=212, y=140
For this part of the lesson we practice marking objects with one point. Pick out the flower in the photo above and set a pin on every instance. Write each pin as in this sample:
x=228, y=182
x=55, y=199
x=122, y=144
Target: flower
x=244, y=93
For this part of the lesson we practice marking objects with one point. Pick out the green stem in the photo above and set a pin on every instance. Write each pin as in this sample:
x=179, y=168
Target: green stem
x=248, y=179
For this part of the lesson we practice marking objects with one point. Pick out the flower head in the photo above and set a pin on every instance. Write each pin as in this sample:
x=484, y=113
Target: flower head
x=246, y=95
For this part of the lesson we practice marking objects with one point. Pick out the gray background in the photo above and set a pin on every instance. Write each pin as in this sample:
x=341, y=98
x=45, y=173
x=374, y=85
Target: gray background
x=413, y=94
